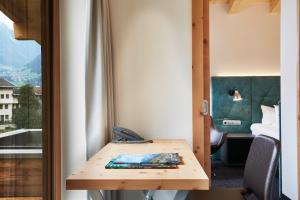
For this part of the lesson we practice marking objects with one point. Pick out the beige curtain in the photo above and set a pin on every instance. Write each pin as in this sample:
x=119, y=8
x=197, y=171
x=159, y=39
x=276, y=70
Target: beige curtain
x=100, y=101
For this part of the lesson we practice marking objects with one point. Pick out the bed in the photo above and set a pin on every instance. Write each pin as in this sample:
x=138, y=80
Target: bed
x=265, y=129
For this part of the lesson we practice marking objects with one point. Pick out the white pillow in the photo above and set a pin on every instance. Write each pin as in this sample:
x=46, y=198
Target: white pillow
x=269, y=115
x=277, y=115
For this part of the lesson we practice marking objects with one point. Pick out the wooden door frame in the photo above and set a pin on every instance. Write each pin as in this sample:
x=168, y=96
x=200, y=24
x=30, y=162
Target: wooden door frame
x=51, y=100
x=298, y=100
x=201, y=82
x=56, y=103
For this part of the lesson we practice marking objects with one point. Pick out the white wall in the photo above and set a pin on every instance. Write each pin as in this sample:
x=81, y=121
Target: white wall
x=72, y=25
x=246, y=43
x=152, y=56
x=289, y=84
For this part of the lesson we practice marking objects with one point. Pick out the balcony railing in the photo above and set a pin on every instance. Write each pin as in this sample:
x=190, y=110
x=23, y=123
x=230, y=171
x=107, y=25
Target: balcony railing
x=6, y=122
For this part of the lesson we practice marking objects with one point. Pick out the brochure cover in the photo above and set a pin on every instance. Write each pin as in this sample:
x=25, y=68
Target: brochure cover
x=112, y=165
x=159, y=158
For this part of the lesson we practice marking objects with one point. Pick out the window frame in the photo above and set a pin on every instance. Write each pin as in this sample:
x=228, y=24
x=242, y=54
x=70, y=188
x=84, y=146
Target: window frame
x=51, y=100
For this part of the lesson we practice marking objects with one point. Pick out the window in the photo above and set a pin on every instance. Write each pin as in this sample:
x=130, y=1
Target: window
x=1, y=106
x=20, y=77
x=33, y=175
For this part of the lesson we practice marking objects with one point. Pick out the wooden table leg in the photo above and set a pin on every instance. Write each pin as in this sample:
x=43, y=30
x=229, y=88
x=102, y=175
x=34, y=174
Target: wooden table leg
x=149, y=194
x=180, y=194
x=95, y=195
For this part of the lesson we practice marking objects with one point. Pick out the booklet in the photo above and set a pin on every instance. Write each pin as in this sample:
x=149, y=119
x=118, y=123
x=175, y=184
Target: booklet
x=112, y=165
x=158, y=158
x=145, y=161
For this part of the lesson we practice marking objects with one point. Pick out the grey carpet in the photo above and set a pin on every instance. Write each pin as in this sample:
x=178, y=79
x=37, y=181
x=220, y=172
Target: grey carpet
x=231, y=177
x=227, y=177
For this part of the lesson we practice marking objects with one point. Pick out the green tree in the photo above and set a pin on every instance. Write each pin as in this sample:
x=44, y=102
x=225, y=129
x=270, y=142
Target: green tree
x=28, y=114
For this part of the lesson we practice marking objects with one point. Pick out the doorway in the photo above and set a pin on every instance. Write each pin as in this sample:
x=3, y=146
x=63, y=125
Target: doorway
x=245, y=83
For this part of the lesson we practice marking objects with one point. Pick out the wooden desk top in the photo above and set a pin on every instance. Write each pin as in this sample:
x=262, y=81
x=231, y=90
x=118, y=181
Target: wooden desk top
x=94, y=176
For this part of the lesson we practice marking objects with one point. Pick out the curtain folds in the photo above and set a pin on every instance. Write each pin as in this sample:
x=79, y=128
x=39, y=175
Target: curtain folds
x=108, y=66
x=99, y=84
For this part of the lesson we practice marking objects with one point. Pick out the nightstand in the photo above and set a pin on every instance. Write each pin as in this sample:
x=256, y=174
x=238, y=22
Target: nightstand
x=235, y=149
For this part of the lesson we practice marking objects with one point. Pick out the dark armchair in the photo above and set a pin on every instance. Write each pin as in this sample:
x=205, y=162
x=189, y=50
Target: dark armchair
x=259, y=174
x=217, y=138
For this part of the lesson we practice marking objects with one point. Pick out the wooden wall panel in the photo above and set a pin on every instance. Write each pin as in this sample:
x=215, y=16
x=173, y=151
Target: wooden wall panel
x=21, y=177
x=201, y=82
x=206, y=57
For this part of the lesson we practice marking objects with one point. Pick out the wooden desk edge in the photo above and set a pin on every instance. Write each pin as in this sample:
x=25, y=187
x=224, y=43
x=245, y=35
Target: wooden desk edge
x=170, y=184
x=152, y=184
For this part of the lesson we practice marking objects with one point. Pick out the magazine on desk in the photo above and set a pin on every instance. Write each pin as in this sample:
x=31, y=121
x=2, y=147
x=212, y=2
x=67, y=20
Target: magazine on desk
x=145, y=161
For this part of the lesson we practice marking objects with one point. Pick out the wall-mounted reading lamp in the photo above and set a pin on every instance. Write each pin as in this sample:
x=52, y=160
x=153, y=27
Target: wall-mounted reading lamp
x=235, y=94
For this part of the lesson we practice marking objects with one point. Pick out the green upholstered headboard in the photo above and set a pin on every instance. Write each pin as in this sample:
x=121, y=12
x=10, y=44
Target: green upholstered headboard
x=256, y=91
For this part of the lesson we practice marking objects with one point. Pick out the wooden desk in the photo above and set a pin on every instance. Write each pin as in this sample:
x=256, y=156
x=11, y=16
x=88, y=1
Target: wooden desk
x=94, y=176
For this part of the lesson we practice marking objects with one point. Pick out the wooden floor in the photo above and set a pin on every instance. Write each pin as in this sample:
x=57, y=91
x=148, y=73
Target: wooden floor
x=216, y=194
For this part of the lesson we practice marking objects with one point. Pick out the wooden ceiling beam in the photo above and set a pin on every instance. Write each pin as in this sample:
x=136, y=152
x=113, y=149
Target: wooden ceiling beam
x=275, y=6
x=9, y=8
x=26, y=16
x=235, y=6
x=30, y=29
x=218, y=1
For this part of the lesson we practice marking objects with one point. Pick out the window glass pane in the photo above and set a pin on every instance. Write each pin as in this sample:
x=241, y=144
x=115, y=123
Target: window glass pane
x=20, y=100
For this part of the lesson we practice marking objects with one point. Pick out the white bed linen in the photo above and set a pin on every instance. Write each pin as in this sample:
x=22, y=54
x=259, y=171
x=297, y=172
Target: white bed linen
x=264, y=129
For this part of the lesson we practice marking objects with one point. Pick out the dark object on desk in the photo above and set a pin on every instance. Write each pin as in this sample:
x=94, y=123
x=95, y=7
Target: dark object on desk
x=259, y=175
x=124, y=135
x=236, y=148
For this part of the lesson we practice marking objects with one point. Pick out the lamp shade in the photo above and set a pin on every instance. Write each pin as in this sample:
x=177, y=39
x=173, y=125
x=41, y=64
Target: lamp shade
x=237, y=96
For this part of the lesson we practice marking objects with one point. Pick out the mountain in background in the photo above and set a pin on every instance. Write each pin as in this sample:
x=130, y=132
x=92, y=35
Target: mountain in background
x=20, y=61
x=16, y=52
x=35, y=64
